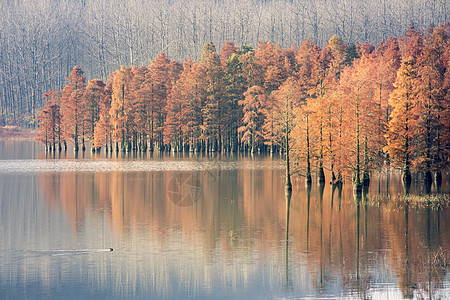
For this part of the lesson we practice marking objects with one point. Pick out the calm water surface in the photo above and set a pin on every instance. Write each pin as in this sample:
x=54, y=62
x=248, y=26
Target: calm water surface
x=207, y=228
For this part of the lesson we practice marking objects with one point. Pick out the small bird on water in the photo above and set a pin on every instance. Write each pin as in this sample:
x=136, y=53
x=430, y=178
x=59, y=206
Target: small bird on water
x=111, y=249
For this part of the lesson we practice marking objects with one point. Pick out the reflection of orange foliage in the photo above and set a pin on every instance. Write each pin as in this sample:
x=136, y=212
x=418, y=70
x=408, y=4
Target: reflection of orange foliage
x=245, y=210
x=415, y=243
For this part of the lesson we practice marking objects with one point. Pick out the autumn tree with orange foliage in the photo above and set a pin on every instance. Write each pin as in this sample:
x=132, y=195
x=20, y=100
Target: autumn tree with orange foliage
x=213, y=114
x=94, y=94
x=287, y=98
x=121, y=107
x=72, y=107
x=432, y=99
x=141, y=98
x=355, y=83
x=252, y=105
x=403, y=120
x=317, y=82
x=235, y=84
x=49, y=122
x=161, y=76
x=227, y=51
x=307, y=73
x=182, y=111
x=387, y=62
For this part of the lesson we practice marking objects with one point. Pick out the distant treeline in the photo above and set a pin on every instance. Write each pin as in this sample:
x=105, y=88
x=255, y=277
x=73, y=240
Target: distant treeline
x=349, y=108
x=41, y=40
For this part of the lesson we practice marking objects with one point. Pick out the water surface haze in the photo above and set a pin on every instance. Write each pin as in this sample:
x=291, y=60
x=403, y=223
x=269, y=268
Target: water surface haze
x=208, y=227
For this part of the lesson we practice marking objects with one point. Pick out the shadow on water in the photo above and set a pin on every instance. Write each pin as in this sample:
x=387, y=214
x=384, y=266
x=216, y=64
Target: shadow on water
x=362, y=278
x=288, y=196
x=308, y=201
x=358, y=217
x=320, y=190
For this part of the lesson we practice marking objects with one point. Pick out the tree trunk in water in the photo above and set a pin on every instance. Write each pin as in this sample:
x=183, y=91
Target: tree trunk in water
x=321, y=173
x=406, y=173
x=365, y=175
x=357, y=184
x=308, y=161
x=288, y=186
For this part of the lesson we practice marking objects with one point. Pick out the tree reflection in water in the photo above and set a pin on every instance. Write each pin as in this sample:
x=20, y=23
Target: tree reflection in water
x=234, y=230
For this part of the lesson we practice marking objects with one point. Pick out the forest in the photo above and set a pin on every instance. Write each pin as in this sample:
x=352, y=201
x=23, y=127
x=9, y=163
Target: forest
x=41, y=40
x=346, y=108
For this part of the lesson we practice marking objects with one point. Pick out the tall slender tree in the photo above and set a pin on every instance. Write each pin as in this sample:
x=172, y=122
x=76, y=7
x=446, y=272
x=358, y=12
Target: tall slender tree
x=252, y=105
x=94, y=94
x=403, y=121
x=213, y=122
x=72, y=106
x=121, y=107
x=49, y=122
x=431, y=101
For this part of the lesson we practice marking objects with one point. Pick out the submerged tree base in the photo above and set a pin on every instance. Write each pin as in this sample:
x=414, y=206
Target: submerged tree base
x=406, y=177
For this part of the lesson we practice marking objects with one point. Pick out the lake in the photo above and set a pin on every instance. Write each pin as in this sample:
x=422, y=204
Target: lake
x=208, y=227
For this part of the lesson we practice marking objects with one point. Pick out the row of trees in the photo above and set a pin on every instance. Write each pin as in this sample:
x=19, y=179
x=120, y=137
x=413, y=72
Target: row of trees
x=41, y=40
x=347, y=108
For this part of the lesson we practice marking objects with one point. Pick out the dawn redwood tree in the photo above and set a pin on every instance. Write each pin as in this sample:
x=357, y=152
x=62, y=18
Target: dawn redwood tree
x=72, y=106
x=445, y=117
x=336, y=98
x=287, y=98
x=333, y=114
x=49, y=122
x=289, y=57
x=141, y=99
x=121, y=108
x=411, y=44
x=401, y=127
x=173, y=134
x=235, y=84
x=269, y=69
x=338, y=50
x=387, y=62
x=357, y=89
x=161, y=76
x=302, y=149
x=252, y=106
x=103, y=128
x=145, y=97
x=274, y=77
x=228, y=50
x=316, y=83
x=196, y=98
x=268, y=66
x=213, y=114
x=352, y=53
x=180, y=112
x=184, y=119
x=308, y=74
x=251, y=71
x=370, y=112
x=93, y=96
x=431, y=101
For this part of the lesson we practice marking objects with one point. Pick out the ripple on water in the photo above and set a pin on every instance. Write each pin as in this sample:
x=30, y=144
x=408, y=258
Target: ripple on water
x=65, y=165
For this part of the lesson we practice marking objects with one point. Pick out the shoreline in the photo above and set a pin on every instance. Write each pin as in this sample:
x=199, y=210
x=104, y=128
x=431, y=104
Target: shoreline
x=16, y=133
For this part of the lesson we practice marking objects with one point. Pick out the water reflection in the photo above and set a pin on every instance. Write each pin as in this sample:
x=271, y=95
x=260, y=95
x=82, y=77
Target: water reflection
x=288, y=196
x=225, y=228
